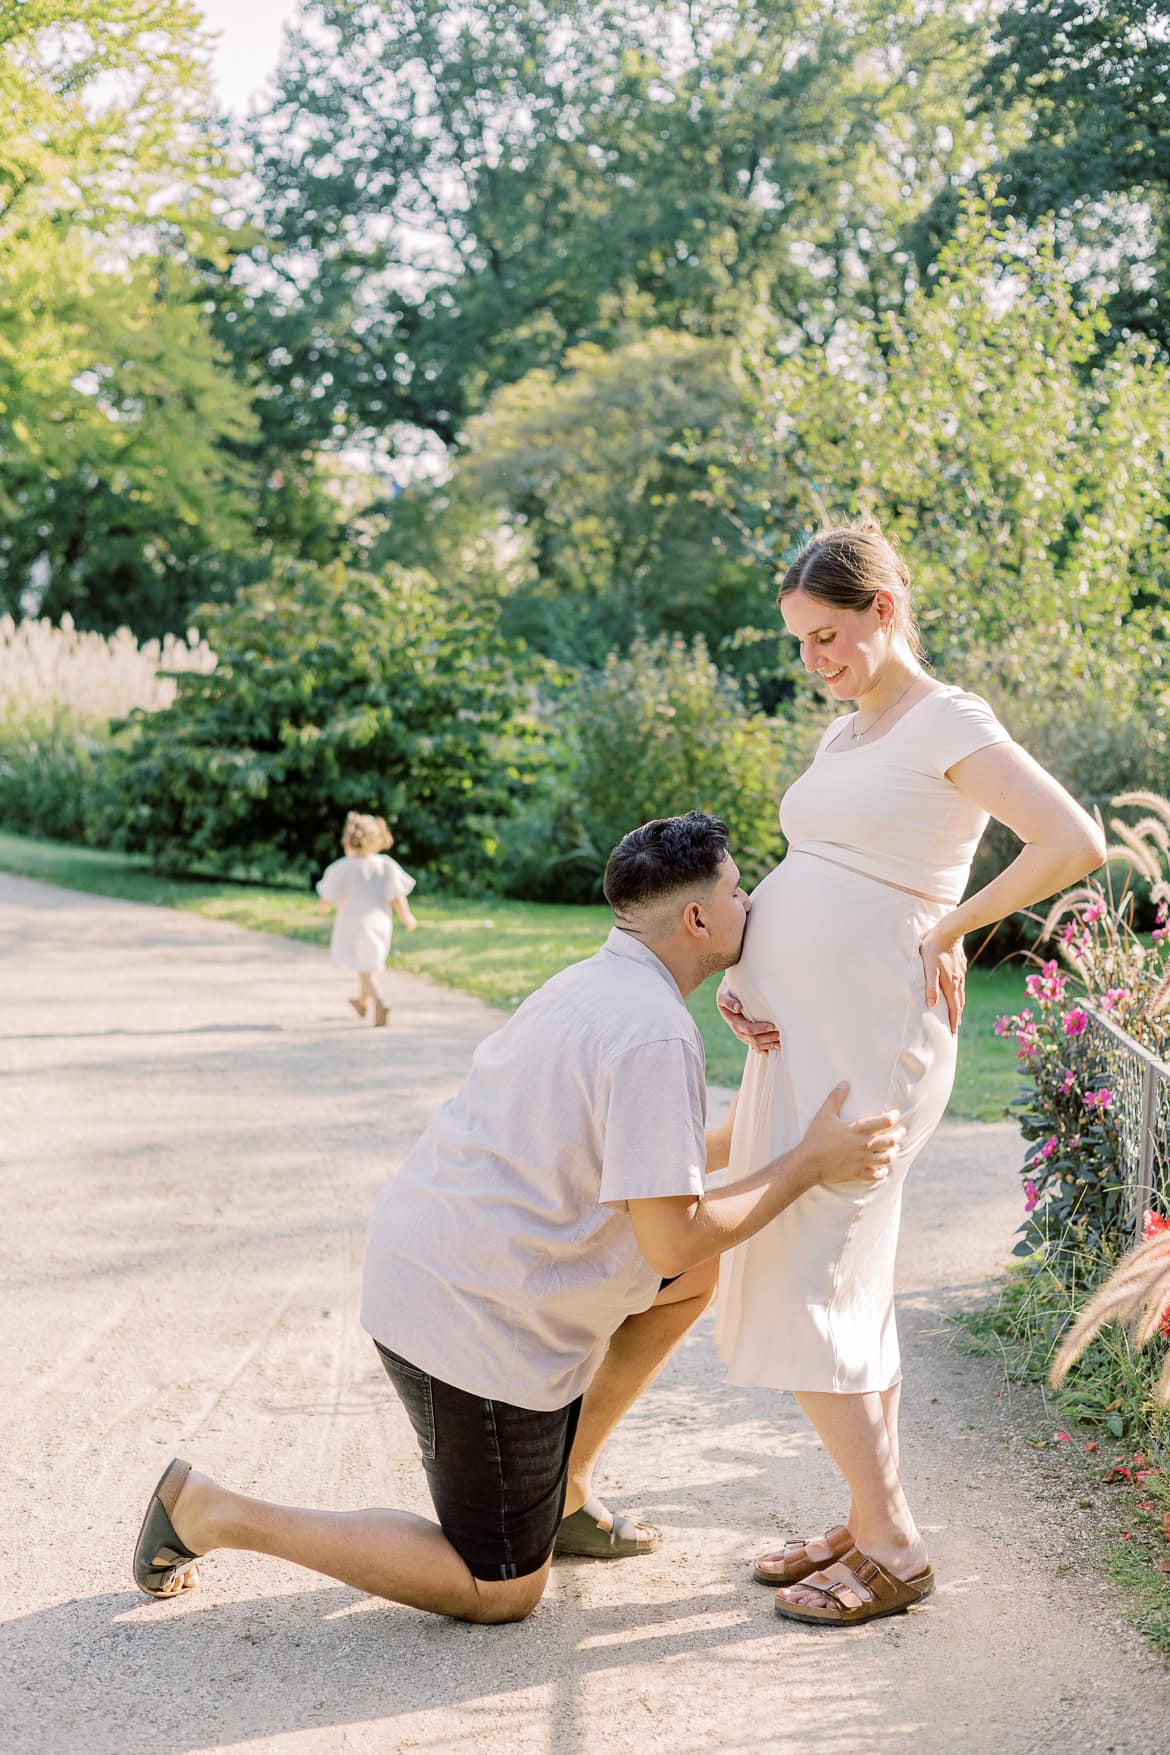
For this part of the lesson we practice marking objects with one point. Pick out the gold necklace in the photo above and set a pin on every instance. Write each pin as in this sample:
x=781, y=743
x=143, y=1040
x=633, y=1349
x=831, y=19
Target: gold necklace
x=856, y=736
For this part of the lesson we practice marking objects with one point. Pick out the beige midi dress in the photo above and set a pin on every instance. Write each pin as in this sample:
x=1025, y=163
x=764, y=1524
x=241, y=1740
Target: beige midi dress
x=831, y=956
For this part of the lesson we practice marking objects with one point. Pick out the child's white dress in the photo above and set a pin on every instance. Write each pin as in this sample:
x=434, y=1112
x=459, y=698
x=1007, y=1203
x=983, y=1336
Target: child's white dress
x=362, y=891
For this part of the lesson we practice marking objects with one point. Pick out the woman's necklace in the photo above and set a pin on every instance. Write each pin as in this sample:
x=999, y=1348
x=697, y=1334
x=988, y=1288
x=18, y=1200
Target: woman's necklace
x=856, y=736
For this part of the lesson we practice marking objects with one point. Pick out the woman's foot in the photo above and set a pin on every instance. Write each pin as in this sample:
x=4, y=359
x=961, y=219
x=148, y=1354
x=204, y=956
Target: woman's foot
x=359, y=1006
x=799, y=1557
x=902, y=1559
x=381, y=1014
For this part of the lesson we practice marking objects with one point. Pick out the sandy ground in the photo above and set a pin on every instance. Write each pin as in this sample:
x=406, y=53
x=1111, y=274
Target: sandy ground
x=194, y=1130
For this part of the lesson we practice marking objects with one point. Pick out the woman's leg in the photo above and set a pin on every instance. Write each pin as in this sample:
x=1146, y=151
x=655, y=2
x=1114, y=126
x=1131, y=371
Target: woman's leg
x=854, y=1430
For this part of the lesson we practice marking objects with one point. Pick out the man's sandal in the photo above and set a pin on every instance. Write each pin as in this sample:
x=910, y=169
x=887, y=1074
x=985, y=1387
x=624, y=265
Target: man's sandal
x=158, y=1552
x=794, y=1563
x=596, y=1533
x=861, y=1590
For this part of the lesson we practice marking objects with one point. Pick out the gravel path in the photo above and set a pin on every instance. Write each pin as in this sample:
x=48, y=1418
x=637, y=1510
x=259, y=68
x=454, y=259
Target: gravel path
x=194, y=1132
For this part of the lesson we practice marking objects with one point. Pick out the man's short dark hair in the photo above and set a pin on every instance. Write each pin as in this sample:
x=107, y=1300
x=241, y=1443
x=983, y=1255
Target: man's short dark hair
x=664, y=856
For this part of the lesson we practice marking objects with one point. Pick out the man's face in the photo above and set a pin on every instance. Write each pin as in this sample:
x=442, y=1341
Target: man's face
x=725, y=915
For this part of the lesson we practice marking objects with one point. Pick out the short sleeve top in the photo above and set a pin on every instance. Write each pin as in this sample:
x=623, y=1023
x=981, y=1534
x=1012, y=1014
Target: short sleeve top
x=372, y=882
x=502, y=1257
x=887, y=808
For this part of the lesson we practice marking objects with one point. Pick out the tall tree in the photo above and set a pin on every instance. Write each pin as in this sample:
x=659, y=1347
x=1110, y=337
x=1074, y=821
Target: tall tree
x=1091, y=82
x=455, y=194
x=120, y=491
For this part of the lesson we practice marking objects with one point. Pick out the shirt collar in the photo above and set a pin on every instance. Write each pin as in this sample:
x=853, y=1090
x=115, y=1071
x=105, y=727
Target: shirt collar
x=624, y=944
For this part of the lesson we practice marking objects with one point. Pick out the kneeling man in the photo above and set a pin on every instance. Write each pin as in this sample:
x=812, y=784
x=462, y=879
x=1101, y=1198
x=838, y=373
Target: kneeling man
x=536, y=1258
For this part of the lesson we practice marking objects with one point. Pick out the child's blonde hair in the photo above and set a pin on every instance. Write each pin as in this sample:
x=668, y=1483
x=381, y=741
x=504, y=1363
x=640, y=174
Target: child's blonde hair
x=365, y=834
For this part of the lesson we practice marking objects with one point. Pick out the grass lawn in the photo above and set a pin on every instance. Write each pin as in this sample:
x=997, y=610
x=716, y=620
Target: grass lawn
x=497, y=950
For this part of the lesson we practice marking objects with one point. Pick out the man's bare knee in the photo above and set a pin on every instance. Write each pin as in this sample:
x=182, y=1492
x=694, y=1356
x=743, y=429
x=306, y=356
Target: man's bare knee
x=512, y=1599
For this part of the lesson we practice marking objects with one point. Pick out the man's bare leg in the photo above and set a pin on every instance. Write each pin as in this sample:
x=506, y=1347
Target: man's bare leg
x=637, y=1352
x=390, y=1554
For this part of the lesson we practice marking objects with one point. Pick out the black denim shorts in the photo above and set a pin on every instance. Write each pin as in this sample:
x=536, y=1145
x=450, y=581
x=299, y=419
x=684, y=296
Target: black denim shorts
x=497, y=1473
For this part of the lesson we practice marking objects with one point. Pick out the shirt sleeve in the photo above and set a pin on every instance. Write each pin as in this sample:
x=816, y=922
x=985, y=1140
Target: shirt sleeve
x=331, y=884
x=399, y=883
x=655, y=1138
x=964, y=724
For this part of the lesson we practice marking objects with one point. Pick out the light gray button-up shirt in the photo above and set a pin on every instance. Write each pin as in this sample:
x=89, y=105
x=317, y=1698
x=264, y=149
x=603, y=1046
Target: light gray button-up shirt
x=501, y=1256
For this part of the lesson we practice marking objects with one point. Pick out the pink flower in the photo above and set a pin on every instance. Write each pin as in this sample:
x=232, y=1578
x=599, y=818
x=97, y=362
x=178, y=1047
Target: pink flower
x=1068, y=933
x=1062, y=1438
x=1098, y=1099
x=1074, y=1142
x=1027, y=1048
x=1047, y=1149
x=1031, y=1197
x=1069, y=1080
x=1112, y=998
x=1093, y=912
x=1076, y=1022
x=1003, y=1025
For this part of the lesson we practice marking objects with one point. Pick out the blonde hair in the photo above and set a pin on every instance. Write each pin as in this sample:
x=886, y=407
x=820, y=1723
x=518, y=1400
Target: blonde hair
x=363, y=834
x=847, y=567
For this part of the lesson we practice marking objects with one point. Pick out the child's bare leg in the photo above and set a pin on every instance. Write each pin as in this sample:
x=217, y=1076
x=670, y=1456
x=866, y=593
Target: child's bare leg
x=372, y=989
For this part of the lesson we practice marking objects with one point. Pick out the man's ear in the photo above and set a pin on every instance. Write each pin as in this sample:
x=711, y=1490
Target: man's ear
x=693, y=919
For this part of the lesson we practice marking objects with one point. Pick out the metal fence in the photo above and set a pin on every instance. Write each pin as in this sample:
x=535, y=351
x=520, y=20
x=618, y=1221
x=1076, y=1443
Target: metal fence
x=1140, y=1083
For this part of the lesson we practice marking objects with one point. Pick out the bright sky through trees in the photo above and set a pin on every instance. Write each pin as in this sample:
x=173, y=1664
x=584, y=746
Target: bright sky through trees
x=248, y=47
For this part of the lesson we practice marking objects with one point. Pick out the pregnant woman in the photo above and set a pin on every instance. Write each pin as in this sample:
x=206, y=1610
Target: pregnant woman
x=853, y=969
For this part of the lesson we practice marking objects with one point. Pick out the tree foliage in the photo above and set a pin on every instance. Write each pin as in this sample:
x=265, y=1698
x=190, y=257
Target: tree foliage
x=120, y=489
x=1028, y=481
x=1092, y=81
x=596, y=468
x=454, y=195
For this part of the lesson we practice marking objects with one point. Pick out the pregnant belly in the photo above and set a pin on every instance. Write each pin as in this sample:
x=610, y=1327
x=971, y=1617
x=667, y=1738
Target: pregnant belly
x=832, y=958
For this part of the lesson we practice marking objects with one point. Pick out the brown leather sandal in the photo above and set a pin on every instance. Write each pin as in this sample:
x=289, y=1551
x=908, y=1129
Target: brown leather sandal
x=877, y=1592
x=794, y=1562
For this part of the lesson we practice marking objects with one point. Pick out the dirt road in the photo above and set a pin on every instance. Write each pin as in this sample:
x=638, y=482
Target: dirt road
x=194, y=1129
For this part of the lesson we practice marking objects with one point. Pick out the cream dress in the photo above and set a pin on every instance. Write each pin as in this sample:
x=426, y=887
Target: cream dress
x=831, y=956
x=362, y=890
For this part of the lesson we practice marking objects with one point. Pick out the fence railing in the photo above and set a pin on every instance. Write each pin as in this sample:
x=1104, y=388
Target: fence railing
x=1141, y=1113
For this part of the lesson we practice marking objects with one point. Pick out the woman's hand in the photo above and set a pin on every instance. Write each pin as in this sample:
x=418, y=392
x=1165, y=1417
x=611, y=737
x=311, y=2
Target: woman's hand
x=764, y=1038
x=945, y=964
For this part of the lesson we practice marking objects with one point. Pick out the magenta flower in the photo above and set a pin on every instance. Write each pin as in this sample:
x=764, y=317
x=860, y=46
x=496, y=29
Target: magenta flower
x=1112, y=998
x=1047, y=1149
x=1098, y=1099
x=1074, y=1142
x=1069, y=1080
x=1031, y=1196
x=1093, y=912
x=1076, y=1022
x=1003, y=1025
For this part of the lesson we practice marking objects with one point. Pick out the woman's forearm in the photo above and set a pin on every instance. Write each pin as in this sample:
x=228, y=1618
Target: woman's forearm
x=1036, y=873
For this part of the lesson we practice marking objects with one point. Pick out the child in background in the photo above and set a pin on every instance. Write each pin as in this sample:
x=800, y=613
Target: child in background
x=364, y=887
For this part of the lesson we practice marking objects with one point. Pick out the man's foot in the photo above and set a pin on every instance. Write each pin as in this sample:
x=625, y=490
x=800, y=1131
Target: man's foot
x=900, y=1561
x=596, y=1533
x=176, y=1531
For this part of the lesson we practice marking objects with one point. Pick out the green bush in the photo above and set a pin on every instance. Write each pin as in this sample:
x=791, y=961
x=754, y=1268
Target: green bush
x=51, y=780
x=332, y=691
x=654, y=733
